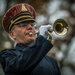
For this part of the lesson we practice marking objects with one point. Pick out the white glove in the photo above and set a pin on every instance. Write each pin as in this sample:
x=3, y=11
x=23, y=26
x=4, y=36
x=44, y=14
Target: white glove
x=43, y=29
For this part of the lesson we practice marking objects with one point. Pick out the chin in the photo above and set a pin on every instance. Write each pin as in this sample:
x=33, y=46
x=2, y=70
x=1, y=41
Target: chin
x=32, y=38
x=30, y=41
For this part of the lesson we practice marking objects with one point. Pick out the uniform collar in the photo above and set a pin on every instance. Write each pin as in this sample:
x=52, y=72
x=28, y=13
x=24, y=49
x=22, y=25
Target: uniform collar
x=21, y=46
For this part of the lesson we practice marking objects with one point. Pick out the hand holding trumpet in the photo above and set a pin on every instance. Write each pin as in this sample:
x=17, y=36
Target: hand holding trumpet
x=45, y=30
x=60, y=27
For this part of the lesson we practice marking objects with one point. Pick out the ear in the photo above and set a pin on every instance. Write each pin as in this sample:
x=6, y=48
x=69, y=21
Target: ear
x=12, y=34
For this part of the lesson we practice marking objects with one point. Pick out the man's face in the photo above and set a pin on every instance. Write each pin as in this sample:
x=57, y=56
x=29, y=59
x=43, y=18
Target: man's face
x=23, y=32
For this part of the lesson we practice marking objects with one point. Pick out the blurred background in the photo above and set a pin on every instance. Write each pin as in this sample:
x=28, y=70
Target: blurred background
x=47, y=12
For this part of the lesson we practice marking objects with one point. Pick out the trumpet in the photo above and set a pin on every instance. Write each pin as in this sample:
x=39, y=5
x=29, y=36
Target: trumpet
x=60, y=27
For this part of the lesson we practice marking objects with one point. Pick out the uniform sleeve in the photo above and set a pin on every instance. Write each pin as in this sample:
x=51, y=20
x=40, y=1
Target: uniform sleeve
x=55, y=66
x=58, y=68
x=27, y=59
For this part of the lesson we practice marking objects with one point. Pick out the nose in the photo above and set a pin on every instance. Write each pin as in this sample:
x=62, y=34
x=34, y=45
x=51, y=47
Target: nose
x=29, y=26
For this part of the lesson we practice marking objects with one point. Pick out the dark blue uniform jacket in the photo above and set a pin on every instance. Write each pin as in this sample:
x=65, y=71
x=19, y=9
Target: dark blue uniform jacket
x=29, y=60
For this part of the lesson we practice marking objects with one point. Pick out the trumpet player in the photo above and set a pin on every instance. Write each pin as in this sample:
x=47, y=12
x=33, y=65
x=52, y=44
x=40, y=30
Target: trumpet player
x=29, y=56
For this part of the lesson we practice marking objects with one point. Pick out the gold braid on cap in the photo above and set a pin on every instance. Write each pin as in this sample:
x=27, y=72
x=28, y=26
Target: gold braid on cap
x=20, y=17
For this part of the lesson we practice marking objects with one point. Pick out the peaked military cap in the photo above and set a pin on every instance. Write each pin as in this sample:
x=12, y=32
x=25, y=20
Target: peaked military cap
x=16, y=14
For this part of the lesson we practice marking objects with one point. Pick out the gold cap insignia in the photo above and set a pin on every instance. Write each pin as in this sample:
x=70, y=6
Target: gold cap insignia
x=23, y=8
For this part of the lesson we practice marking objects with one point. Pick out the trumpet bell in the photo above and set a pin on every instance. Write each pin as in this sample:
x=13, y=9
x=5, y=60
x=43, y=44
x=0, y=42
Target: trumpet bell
x=60, y=27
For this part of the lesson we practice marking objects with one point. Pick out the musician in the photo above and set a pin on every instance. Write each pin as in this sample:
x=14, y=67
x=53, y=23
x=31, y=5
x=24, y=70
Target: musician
x=29, y=56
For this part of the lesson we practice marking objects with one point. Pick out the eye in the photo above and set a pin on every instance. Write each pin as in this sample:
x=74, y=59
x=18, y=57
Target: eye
x=22, y=24
x=33, y=24
x=25, y=24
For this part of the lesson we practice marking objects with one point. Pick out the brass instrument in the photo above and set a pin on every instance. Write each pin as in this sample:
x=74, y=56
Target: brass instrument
x=60, y=27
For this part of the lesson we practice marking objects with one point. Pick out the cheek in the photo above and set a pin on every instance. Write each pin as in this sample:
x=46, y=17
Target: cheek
x=18, y=34
x=22, y=34
x=19, y=31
